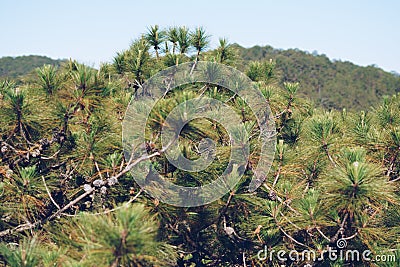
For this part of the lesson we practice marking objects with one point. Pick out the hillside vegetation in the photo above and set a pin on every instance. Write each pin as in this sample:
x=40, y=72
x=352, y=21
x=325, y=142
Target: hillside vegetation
x=68, y=198
x=332, y=84
x=14, y=67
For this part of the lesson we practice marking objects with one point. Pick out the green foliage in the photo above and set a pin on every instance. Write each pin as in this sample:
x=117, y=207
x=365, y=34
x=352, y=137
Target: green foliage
x=65, y=184
x=357, y=184
x=262, y=71
x=199, y=40
x=13, y=67
x=183, y=39
x=30, y=253
x=155, y=37
x=225, y=53
x=172, y=36
x=49, y=81
x=126, y=237
x=331, y=84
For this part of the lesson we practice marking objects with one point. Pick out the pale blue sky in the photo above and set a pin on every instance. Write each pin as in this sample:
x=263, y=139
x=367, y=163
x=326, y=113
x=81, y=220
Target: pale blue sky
x=92, y=31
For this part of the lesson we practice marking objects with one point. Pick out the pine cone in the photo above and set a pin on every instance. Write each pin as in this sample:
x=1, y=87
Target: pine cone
x=272, y=195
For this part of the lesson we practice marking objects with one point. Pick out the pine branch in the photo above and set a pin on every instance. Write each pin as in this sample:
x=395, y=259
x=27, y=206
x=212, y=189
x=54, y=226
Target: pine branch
x=59, y=212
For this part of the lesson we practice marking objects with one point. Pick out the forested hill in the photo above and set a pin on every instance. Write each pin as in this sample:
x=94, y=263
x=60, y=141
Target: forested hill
x=13, y=67
x=334, y=84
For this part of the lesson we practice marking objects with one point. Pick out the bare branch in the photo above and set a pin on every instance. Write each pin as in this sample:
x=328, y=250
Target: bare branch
x=322, y=234
x=48, y=192
x=291, y=238
x=350, y=237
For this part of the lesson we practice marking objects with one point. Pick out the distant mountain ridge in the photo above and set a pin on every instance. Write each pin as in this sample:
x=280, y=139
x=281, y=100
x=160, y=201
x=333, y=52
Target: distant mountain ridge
x=333, y=84
x=14, y=67
x=329, y=83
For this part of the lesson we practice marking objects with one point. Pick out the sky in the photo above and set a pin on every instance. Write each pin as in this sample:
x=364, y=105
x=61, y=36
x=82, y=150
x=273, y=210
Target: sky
x=92, y=31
